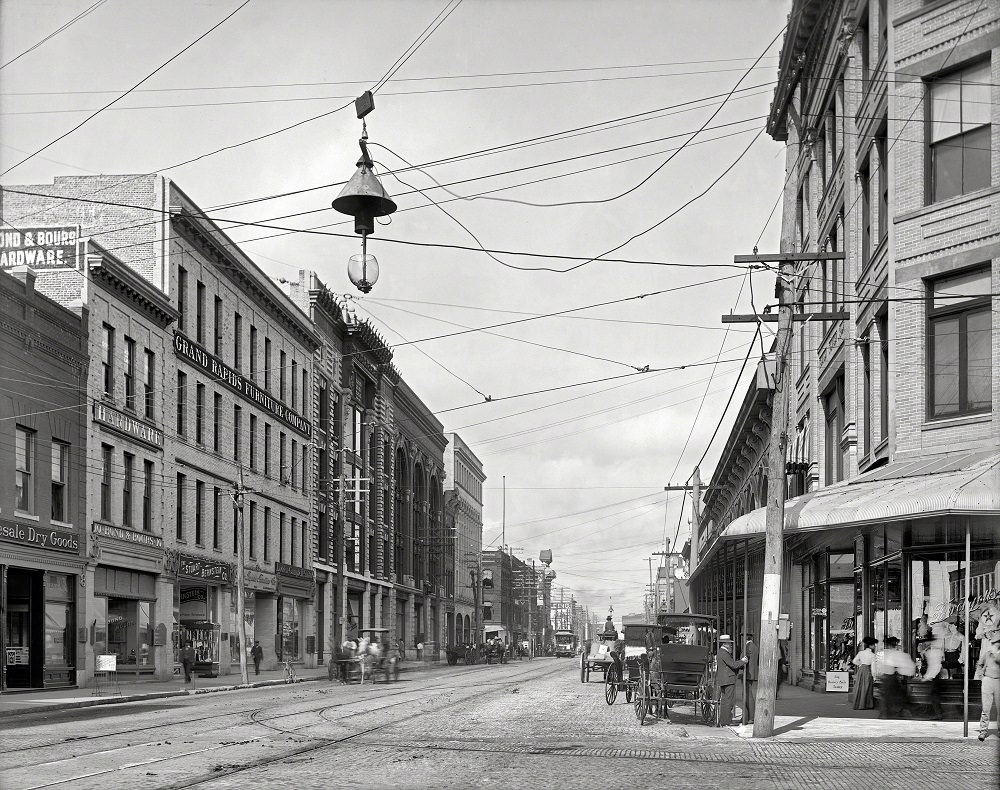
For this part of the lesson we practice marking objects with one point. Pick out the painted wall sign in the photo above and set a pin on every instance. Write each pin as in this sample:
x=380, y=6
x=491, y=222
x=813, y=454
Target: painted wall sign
x=293, y=571
x=41, y=248
x=258, y=579
x=41, y=537
x=187, y=349
x=127, y=535
x=127, y=425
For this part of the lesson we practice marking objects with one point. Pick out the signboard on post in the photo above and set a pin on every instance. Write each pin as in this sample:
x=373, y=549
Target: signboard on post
x=107, y=663
x=838, y=681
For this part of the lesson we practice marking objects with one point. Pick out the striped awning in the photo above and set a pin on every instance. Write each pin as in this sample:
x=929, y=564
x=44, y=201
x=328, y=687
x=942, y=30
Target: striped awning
x=959, y=483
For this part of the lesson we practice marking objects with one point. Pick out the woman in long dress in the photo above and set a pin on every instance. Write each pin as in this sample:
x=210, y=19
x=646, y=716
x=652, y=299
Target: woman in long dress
x=864, y=685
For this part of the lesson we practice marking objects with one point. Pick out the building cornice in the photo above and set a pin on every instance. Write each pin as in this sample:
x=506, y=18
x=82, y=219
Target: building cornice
x=126, y=284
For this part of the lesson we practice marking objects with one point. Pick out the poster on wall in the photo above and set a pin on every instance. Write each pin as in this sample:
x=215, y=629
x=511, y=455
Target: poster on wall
x=838, y=681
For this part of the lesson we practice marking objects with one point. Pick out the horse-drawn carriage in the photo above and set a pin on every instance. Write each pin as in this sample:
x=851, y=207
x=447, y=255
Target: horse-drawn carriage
x=368, y=656
x=667, y=664
x=597, y=656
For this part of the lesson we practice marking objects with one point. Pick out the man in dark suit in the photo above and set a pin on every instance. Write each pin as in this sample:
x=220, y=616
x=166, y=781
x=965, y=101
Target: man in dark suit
x=726, y=670
x=750, y=678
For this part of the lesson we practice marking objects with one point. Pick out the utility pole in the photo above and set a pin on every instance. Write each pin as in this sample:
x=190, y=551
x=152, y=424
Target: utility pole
x=775, y=515
x=237, y=497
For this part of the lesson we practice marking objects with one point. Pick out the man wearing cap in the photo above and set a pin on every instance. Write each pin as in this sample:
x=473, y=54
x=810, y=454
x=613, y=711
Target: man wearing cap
x=726, y=670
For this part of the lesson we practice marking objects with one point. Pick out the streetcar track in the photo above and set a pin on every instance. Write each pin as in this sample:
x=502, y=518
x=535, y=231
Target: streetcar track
x=320, y=742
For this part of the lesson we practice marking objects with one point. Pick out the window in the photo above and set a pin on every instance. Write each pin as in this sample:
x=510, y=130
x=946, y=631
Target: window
x=128, y=464
x=803, y=328
x=106, y=455
x=60, y=479
x=129, y=374
x=182, y=286
x=267, y=364
x=295, y=383
x=866, y=385
x=281, y=375
x=960, y=132
x=883, y=26
x=148, y=388
x=267, y=534
x=861, y=36
x=281, y=537
x=253, y=353
x=253, y=441
x=833, y=402
x=883, y=387
x=237, y=433
x=865, y=185
x=199, y=413
x=216, y=421
x=218, y=326
x=882, y=149
x=179, y=526
x=216, y=520
x=282, y=472
x=199, y=307
x=293, y=472
x=305, y=467
x=267, y=449
x=147, y=496
x=293, y=541
x=181, y=401
x=305, y=391
x=253, y=530
x=324, y=406
x=199, y=510
x=958, y=345
x=108, y=360
x=238, y=341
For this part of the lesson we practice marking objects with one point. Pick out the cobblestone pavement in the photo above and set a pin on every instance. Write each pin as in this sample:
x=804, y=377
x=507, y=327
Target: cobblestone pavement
x=524, y=723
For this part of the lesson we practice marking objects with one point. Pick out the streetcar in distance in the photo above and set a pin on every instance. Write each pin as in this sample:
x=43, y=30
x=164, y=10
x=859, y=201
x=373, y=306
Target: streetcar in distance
x=565, y=644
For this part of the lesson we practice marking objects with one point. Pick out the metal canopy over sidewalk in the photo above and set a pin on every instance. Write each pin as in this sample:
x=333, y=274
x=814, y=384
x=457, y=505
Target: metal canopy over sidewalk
x=945, y=484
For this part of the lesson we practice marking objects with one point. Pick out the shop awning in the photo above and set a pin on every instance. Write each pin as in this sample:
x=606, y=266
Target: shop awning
x=959, y=483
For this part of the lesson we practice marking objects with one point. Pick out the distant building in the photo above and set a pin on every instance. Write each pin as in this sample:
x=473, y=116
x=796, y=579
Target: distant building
x=463, y=483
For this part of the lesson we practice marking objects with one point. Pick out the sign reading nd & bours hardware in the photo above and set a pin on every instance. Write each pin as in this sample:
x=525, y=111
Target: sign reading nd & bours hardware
x=242, y=386
x=40, y=248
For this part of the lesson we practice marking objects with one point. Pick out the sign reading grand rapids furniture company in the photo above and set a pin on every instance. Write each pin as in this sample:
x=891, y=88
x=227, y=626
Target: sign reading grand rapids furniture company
x=41, y=537
x=40, y=248
x=211, y=364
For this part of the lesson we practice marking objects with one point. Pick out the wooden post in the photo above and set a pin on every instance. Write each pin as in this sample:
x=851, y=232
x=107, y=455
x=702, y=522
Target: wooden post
x=965, y=616
x=767, y=674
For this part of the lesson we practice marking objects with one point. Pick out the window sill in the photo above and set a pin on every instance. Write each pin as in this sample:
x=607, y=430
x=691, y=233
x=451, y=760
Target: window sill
x=955, y=422
x=25, y=515
x=61, y=524
x=930, y=208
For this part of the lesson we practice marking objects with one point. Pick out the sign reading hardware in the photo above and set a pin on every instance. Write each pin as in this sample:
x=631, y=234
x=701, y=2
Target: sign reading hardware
x=192, y=352
x=128, y=425
x=128, y=535
x=40, y=248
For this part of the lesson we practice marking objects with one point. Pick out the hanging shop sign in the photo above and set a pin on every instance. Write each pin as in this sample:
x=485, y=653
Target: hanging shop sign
x=187, y=349
x=293, y=580
x=48, y=539
x=257, y=578
x=127, y=425
x=54, y=247
x=199, y=568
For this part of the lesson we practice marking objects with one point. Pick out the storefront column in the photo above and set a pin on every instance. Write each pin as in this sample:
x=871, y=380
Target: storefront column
x=163, y=613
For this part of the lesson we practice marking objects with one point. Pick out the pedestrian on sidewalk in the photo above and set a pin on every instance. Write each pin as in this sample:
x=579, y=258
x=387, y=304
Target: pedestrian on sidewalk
x=893, y=666
x=933, y=669
x=257, y=654
x=726, y=671
x=187, y=661
x=751, y=654
x=782, y=665
x=988, y=670
x=863, y=697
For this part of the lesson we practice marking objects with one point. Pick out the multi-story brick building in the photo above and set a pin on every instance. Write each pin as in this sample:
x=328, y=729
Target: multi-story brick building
x=43, y=515
x=235, y=410
x=889, y=113
x=464, y=478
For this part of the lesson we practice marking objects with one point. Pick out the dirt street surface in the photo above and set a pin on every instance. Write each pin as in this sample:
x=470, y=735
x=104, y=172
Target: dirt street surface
x=525, y=724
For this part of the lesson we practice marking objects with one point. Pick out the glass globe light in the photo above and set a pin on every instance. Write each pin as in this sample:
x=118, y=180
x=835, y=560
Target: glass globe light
x=363, y=271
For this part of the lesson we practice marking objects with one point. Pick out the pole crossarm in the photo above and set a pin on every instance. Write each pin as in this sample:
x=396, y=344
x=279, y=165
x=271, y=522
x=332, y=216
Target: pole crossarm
x=773, y=318
x=790, y=257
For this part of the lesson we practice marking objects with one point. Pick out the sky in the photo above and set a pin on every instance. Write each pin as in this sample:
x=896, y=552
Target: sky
x=548, y=132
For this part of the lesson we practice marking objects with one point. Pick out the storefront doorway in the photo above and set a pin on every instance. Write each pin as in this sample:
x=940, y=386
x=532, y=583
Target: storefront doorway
x=39, y=629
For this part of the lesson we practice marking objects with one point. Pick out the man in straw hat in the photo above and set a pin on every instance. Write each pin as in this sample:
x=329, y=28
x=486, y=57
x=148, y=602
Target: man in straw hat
x=726, y=671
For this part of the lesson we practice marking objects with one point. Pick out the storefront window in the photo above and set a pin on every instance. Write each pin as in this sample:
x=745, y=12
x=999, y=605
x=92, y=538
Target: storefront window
x=129, y=631
x=841, y=619
x=196, y=611
x=59, y=617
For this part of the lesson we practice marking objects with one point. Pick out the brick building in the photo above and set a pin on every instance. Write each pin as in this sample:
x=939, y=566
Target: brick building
x=464, y=478
x=889, y=115
x=43, y=516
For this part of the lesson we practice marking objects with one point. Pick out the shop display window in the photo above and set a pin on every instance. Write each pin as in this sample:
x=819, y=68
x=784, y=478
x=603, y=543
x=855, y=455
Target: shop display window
x=291, y=611
x=124, y=628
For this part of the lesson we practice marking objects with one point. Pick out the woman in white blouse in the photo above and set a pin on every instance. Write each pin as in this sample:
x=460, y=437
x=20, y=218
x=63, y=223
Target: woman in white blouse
x=863, y=697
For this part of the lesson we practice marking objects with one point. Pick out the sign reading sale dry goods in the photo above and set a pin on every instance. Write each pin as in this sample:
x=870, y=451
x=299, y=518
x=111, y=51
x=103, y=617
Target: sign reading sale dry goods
x=40, y=248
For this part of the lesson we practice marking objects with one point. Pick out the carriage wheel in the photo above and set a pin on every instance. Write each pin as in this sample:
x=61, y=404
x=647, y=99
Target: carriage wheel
x=611, y=688
x=641, y=703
